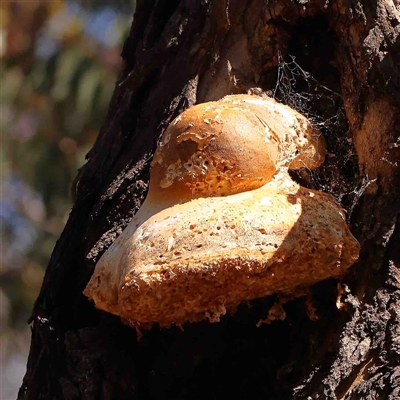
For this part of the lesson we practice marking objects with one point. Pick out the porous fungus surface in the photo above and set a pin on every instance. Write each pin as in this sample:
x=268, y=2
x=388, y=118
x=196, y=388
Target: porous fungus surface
x=223, y=222
x=232, y=145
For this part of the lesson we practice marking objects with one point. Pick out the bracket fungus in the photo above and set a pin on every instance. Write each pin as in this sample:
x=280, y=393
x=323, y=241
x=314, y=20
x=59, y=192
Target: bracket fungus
x=223, y=222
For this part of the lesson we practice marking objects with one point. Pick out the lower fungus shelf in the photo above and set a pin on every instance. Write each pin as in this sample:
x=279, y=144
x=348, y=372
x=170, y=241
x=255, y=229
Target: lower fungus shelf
x=273, y=247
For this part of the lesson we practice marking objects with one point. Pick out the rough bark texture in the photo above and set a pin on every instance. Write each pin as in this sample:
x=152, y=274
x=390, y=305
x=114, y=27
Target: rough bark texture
x=177, y=55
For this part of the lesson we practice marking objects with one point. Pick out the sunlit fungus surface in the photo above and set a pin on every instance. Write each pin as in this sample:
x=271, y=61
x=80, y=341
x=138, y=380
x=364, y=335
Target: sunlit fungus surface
x=223, y=222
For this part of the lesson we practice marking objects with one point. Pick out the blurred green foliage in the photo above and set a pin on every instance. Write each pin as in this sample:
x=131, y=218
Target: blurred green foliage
x=59, y=63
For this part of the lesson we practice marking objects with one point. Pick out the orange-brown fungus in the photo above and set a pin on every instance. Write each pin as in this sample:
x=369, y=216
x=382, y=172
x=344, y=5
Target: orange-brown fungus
x=223, y=222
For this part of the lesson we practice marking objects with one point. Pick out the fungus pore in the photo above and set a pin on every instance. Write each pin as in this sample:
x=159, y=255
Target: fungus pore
x=223, y=222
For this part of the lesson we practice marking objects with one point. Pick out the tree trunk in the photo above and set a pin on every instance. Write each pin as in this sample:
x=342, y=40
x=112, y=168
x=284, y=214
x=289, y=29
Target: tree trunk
x=338, y=62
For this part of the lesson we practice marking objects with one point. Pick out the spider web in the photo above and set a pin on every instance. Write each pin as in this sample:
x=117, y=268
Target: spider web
x=339, y=175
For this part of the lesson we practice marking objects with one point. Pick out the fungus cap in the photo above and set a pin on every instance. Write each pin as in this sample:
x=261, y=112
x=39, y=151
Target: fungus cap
x=246, y=231
x=232, y=145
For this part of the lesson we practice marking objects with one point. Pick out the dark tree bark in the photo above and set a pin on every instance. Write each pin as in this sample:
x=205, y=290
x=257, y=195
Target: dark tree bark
x=177, y=55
